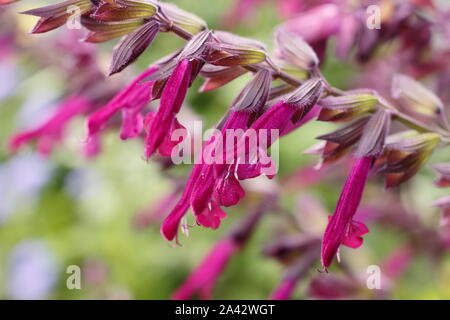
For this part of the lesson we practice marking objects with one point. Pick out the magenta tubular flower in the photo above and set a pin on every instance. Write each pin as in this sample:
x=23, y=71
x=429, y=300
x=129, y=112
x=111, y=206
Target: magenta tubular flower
x=170, y=225
x=130, y=101
x=212, y=186
x=52, y=130
x=291, y=126
x=202, y=280
x=205, y=206
x=159, y=126
x=278, y=117
x=199, y=190
x=342, y=229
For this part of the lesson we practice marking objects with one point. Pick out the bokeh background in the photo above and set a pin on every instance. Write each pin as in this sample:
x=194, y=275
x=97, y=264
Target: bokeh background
x=67, y=210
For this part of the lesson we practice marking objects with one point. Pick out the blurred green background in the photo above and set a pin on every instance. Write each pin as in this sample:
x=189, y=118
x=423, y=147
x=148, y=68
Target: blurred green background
x=67, y=210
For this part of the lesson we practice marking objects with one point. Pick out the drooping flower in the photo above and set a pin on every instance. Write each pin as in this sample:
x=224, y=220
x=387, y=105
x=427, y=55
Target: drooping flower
x=199, y=189
x=211, y=186
x=52, y=131
x=130, y=101
x=200, y=186
x=206, y=198
x=283, y=117
x=342, y=229
x=159, y=126
x=227, y=188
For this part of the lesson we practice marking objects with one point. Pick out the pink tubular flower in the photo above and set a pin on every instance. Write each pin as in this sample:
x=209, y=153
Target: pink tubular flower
x=199, y=189
x=211, y=186
x=279, y=117
x=291, y=126
x=204, y=277
x=342, y=229
x=159, y=126
x=52, y=130
x=205, y=202
x=130, y=101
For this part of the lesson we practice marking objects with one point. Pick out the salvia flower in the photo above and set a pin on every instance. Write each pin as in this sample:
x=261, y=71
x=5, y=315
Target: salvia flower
x=52, y=131
x=342, y=229
x=282, y=117
x=199, y=189
x=159, y=126
x=211, y=186
x=130, y=101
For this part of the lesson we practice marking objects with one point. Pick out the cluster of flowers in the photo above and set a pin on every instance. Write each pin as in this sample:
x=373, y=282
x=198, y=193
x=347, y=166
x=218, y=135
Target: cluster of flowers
x=220, y=57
